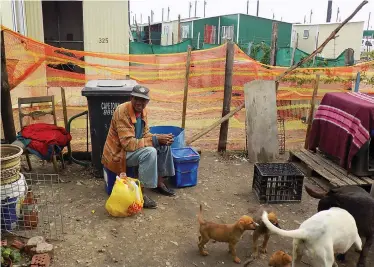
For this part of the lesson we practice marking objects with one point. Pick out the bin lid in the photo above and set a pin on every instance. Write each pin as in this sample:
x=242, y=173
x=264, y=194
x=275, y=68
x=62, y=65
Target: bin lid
x=108, y=87
x=185, y=154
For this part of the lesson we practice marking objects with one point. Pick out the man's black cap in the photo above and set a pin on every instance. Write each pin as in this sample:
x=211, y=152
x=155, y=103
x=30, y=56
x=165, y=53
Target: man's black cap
x=140, y=91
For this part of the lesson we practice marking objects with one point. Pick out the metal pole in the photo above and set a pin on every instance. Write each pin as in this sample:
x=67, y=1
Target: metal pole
x=168, y=13
x=369, y=20
x=195, y=8
x=329, y=10
x=204, y=7
x=247, y=7
x=311, y=13
x=162, y=14
x=258, y=7
x=357, y=83
x=189, y=9
x=337, y=15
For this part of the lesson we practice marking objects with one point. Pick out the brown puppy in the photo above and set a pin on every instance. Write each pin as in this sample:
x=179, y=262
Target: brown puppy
x=262, y=230
x=230, y=233
x=280, y=259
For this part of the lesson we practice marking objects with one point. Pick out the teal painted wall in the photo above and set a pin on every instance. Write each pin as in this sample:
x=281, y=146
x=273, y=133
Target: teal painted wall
x=369, y=33
x=255, y=29
x=199, y=26
x=229, y=20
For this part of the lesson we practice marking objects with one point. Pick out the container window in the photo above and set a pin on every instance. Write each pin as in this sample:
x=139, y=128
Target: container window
x=227, y=32
x=185, y=31
x=306, y=34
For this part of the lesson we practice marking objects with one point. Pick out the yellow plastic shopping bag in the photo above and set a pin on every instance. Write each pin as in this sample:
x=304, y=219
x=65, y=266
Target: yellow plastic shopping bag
x=126, y=198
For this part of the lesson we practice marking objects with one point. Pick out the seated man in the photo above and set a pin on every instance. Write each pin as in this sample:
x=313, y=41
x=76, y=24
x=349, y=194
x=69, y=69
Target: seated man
x=129, y=143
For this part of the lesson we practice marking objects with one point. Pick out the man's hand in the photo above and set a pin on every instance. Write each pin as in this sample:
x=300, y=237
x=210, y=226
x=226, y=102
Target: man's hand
x=165, y=139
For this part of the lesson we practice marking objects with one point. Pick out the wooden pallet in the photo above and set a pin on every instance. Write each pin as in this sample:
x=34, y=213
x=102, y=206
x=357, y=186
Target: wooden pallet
x=318, y=166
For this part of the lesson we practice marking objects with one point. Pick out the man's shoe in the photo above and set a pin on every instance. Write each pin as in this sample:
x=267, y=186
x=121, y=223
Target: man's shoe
x=149, y=203
x=164, y=190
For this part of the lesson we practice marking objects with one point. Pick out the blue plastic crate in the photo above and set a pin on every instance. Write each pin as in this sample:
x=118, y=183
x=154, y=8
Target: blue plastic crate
x=186, y=164
x=177, y=132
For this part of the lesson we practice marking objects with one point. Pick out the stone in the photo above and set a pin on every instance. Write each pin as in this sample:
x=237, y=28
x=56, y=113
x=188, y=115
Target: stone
x=175, y=243
x=34, y=241
x=44, y=247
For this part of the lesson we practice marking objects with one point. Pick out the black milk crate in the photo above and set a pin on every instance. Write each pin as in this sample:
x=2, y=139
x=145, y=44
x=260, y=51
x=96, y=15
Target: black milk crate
x=277, y=182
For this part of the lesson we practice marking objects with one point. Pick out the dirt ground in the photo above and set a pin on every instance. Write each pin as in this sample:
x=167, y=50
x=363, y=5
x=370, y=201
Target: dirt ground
x=168, y=235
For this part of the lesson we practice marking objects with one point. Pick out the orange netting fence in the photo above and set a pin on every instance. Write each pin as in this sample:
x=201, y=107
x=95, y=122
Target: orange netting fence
x=37, y=69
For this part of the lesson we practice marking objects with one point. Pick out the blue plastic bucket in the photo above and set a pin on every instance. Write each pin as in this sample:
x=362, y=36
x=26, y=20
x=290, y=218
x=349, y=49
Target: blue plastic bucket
x=9, y=216
x=177, y=132
x=11, y=198
x=186, y=164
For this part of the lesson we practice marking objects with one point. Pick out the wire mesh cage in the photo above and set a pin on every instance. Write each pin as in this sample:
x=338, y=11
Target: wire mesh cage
x=281, y=135
x=31, y=206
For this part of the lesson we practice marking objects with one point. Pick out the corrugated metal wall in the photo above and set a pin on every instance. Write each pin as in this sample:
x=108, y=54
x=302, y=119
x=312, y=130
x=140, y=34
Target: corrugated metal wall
x=6, y=14
x=199, y=26
x=307, y=44
x=34, y=30
x=169, y=31
x=34, y=20
x=189, y=25
x=256, y=29
x=229, y=20
x=106, y=29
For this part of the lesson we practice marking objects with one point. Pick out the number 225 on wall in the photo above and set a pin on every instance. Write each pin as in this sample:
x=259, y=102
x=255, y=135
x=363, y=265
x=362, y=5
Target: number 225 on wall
x=103, y=40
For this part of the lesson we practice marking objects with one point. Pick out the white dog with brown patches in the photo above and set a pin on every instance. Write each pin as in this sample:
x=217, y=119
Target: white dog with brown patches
x=321, y=236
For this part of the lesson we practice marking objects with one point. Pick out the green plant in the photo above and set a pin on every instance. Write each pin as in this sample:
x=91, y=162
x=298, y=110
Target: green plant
x=258, y=49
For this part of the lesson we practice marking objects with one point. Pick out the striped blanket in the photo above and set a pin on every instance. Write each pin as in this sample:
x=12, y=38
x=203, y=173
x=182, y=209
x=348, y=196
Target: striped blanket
x=343, y=123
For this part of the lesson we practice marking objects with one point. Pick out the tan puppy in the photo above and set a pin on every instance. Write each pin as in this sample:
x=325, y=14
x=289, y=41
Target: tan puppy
x=280, y=259
x=262, y=230
x=230, y=233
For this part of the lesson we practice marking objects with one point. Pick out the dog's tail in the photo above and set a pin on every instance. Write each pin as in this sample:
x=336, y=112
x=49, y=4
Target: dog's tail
x=358, y=242
x=297, y=234
x=200, y=215
x=315, y=192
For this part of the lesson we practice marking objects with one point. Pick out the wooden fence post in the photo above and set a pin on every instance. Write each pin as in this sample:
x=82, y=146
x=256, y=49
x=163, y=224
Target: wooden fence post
x=274, y=40
x=6, y=100
x=226, y=95
x=179, y=29
x=65, y=113
x=294, y=49
x=149, y=31
x=311, y=111
x=187, y=76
